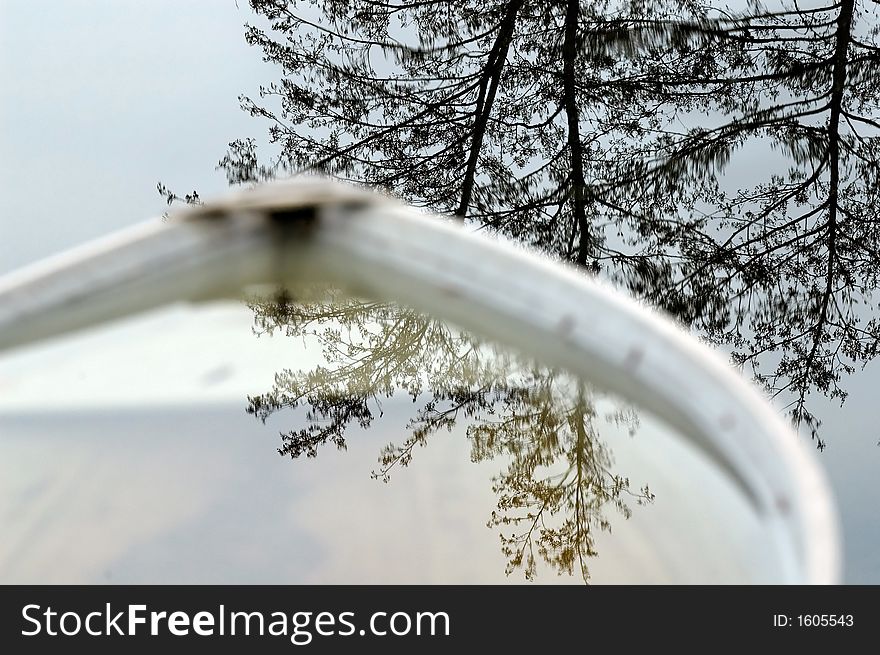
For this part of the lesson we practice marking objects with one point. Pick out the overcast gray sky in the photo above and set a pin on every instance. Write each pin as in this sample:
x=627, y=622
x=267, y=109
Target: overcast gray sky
x=102, y=99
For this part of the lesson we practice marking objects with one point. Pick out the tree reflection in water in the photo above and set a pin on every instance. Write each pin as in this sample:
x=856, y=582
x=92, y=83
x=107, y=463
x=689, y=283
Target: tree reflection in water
x=558, y=484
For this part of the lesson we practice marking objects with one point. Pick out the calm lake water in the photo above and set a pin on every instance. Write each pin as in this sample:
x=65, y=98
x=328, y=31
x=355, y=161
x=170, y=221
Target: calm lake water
x=137, y=454
x=105, y=475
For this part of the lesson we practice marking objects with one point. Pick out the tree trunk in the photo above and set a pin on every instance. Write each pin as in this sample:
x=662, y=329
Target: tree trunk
x=575, y=147
x=838, y=81
x=486, y=98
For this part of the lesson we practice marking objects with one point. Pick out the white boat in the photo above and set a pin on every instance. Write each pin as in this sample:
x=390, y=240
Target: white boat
x=127, y=456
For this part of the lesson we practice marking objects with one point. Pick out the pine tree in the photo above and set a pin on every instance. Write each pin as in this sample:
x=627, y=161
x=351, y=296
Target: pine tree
x=786, y=267
x=603, y=135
